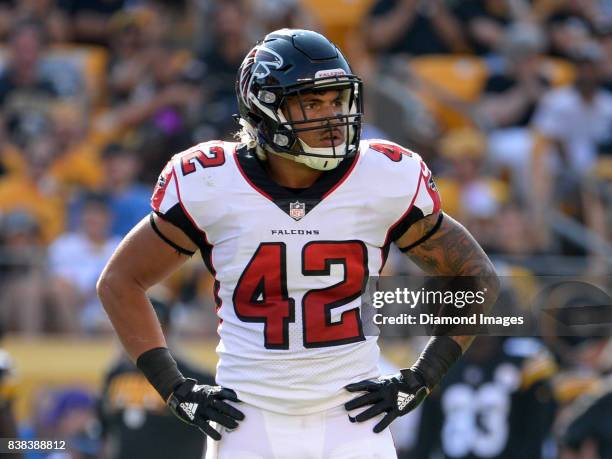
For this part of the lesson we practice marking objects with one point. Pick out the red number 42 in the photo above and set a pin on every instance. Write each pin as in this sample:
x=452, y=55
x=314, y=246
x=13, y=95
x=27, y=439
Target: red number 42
x=261, y=294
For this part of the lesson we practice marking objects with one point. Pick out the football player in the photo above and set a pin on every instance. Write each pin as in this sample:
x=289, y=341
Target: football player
x=585, y=430
x=496, y=403
x=291, y=220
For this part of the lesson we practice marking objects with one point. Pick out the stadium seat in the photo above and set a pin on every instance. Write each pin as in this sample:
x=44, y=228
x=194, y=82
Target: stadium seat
x=449, y=81
x=338, y=18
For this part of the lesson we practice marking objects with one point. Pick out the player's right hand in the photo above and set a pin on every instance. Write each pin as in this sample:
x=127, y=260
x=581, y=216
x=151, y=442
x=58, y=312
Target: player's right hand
x=395, y=395
x=199, y=405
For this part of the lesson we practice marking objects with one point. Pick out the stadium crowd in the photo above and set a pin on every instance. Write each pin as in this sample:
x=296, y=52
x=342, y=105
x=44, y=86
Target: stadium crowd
x=508, y=101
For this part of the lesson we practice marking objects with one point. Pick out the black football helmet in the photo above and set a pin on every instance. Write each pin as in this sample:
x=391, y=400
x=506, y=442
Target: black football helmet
x=290, y=63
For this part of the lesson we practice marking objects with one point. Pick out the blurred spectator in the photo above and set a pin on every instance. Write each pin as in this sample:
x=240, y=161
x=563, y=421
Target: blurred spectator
x=23, y=280
x=6, y=17
x=220, y=58
x=605, y=41
x=44, y=11
x=71, y=415
x=571, y=24
x=76, y=163
x=25, y=95
x=413, y=27
x=515, y=235
x=128, y=63
x=76, y=260
x=74, y=160
x=485, y=22
x=509, y=99
x=468, y=194
x=162, y=107
x=128, y=200
x=571, y=124
x=596, y=202
x=36, y=191
x=276, y=14
x=510, y=94
x=135, y=420
x=88, y=19
x=10, y=155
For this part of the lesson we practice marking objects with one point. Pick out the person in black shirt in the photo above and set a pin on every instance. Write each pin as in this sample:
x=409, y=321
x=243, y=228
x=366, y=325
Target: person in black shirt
x=414, y=27
x=509, y=99
x=220, y=59
x=510, y=95
x=135, y=421
x=25, y=95
x=496, y=404
x=586, y=431
x=484, y=22
x=89, y=18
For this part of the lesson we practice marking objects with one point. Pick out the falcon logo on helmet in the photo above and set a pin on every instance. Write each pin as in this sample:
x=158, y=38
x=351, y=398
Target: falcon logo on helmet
x=259, y=63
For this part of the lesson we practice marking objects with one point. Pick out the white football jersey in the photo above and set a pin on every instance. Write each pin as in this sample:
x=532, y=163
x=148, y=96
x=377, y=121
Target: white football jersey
x=290, y=265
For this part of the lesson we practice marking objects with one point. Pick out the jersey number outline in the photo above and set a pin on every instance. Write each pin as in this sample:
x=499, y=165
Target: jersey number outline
x=215, y=156
x=261, y=293
x=390, y=150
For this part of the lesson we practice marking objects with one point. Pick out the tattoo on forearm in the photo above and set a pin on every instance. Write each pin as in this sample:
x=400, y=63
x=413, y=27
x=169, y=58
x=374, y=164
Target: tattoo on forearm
x=451, y=251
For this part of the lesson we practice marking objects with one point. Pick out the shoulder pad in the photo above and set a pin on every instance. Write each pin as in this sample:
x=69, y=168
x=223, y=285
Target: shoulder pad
x=568, y=387
x=537, y=368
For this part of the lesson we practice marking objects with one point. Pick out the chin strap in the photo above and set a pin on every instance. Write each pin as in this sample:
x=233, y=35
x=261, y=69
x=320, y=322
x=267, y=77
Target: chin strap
x=320, y=164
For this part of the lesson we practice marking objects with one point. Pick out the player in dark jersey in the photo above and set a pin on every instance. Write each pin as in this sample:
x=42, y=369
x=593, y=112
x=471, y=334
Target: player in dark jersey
x=495, y=403
x=586, y=431
x=135, y=421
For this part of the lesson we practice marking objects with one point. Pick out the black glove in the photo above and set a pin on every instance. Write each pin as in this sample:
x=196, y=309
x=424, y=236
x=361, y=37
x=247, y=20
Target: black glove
x=395, y=394
x=401, y=393
x=198, y=405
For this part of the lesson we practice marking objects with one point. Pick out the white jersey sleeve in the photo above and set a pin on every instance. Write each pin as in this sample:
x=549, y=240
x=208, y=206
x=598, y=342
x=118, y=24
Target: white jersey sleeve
x=169, y=201
x=404, y=173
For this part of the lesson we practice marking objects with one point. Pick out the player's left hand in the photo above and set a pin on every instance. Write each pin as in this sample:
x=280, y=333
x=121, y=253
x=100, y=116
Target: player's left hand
x=395, y=395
